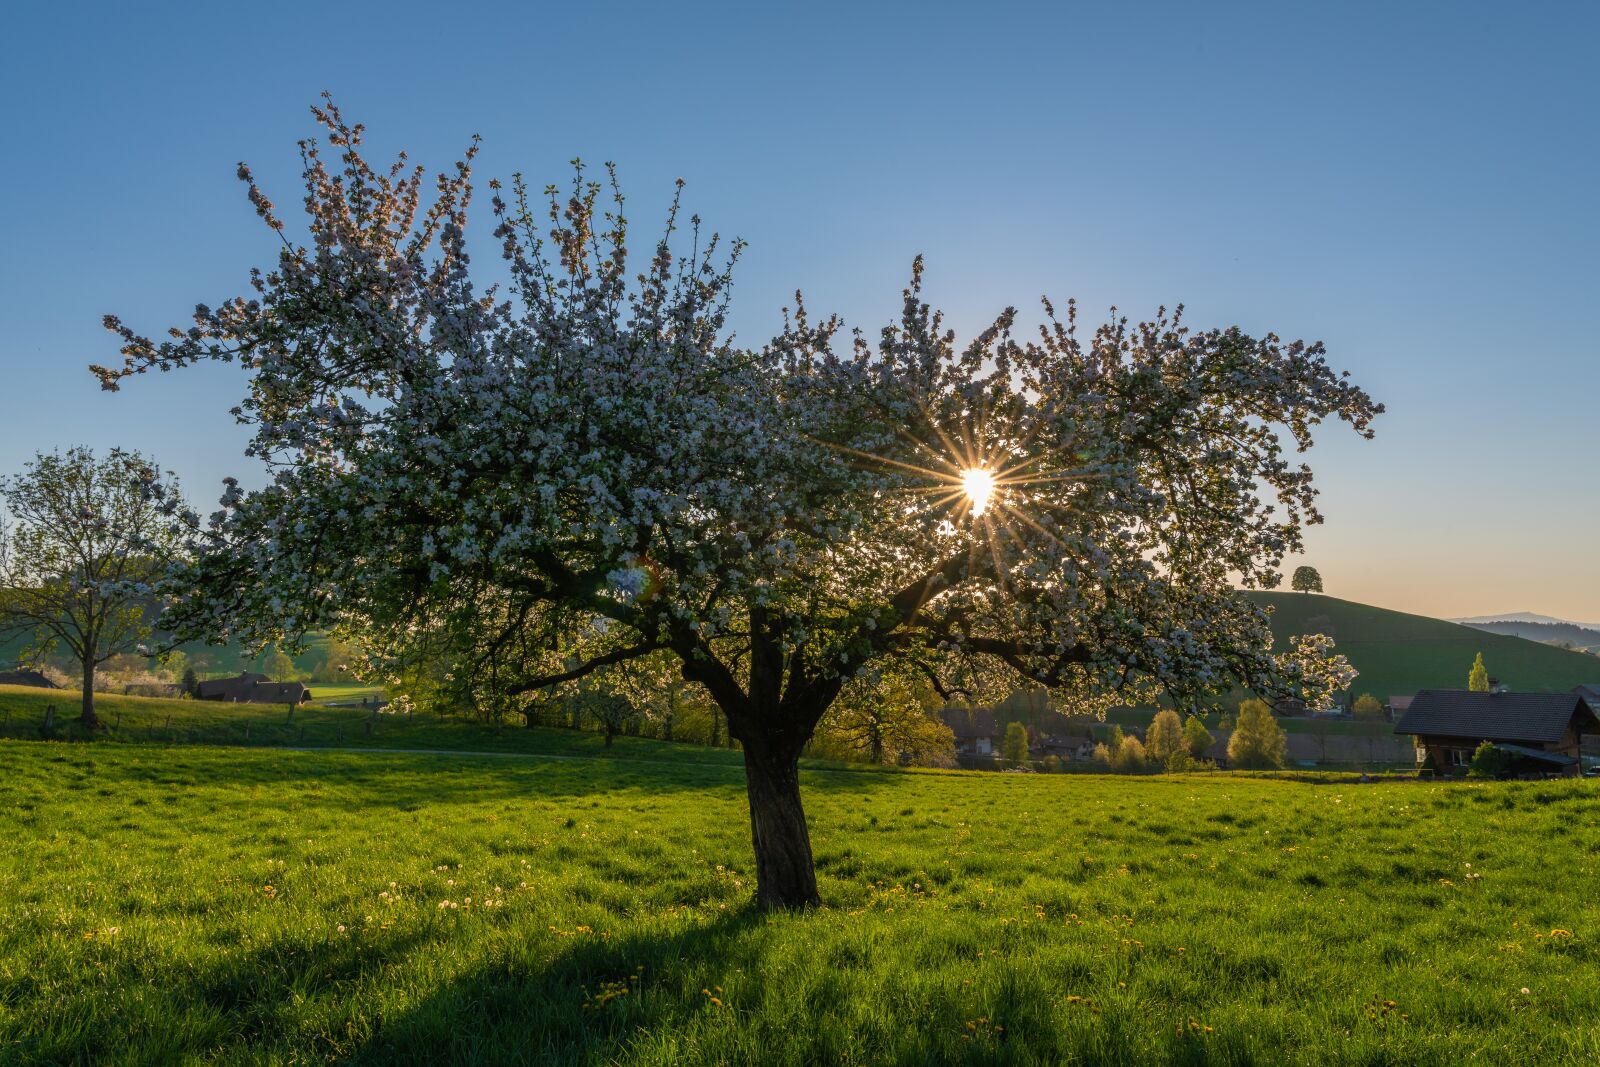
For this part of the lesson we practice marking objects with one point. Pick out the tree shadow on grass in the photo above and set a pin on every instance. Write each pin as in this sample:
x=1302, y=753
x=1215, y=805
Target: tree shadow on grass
x=383, y=778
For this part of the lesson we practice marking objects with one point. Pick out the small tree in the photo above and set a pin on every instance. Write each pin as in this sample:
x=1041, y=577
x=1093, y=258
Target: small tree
x=1130, y=757
x=1102, y=755
x=1478, y=677
x=1164, y=737
x=1015, y=746
x=78, y=570
x=889, y=720
x=1258, y=742
x=279, y=666
x=611, y=710
x=1367, y=706
x=1306, y=580
x=1491, y=761
x=191, y=682
x=1196, y=738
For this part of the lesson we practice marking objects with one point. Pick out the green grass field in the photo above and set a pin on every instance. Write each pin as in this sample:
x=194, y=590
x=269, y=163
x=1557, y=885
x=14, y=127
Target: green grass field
x=186, y=904
x=1399, y=654
x=149, y=720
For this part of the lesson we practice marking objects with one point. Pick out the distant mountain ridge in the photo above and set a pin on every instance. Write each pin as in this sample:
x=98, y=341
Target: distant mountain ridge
x=1548, y=633
x=1527, y=616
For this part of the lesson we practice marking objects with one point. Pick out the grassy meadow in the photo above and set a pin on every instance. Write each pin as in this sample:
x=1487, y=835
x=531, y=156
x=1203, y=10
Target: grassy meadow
x=170, y=903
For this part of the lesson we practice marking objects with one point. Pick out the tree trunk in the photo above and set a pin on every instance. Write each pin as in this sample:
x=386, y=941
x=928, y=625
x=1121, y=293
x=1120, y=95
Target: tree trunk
x=611, y=732
x=785, y=877
x=87, y=717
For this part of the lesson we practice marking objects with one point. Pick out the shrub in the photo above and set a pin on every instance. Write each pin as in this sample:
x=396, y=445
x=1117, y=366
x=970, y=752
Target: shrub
x=1491, y=761
x=1367, y=706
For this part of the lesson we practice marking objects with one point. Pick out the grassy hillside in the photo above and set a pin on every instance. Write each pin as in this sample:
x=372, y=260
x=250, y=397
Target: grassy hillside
x=1398, y=654
x=184, y=904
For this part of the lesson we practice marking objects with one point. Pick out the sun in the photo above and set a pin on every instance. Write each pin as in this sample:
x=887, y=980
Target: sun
x=979, y=486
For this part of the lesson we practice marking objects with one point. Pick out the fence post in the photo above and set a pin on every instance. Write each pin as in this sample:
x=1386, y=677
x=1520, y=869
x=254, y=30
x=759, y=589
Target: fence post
x=49, y=718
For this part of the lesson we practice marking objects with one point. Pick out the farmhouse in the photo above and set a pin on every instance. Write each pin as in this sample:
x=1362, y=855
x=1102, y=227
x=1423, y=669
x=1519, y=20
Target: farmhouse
x=251, y=688
x=1544, y=730
x=22, y=677
x=977, y=737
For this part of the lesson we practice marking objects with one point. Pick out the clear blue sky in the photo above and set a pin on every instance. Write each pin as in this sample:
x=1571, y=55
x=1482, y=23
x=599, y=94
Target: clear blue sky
x=1414, y=187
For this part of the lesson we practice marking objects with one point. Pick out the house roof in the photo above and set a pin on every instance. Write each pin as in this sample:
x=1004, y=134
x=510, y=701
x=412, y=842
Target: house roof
x=25, y=677
x=253, y=688
x=1591, y=693
x=1540, y=754
x=1401, y=703
x=1537, y=717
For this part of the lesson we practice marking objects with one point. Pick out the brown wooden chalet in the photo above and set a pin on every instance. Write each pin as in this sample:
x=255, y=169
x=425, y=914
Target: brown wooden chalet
x=250, y=688
x=1543, y=730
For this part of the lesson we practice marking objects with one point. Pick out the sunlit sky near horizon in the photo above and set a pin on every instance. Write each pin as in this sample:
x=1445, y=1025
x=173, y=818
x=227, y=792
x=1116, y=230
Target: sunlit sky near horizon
x=1415, y=189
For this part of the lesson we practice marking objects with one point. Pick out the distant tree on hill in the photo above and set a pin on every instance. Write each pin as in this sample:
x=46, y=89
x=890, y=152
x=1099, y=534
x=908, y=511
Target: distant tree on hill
x=1258, y=742
x=78, y=570
x=1164, y=737
x=190, y=683
x=1015, y=746
x=1196, y=738
x=1367, y=706
x=1306, y=580
x=1478, y=677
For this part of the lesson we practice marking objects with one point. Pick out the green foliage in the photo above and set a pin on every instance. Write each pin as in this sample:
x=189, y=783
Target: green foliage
x=1478, y=677
x=1130, y=757
x=1258, y=742
x=1196, y=738
x=80, y=561
x=1014, y=747
x=1491, y=761
x=1164, y=737
x=1306, y=580
x=125, y=932
x=1367, y=706
x=276, y=664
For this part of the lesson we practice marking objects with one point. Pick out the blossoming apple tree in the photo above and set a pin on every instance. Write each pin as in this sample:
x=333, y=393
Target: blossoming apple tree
x=581, y=473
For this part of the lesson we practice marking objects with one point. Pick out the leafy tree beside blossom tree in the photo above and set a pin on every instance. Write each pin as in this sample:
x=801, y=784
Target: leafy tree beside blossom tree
x=79, y=564
x=582, y=470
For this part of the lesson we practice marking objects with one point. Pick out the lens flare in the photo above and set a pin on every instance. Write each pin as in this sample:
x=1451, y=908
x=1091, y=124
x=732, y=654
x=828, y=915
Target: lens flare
x=979, y=485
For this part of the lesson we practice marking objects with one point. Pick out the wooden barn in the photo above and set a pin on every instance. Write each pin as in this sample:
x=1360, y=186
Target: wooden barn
x=250, y=688
x=1544, y=730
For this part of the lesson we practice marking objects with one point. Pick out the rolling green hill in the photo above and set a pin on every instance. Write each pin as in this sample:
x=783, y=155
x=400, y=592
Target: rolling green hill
x=1399, y=654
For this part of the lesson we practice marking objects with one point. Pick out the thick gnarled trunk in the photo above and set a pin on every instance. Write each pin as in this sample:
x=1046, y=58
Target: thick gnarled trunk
x=785, y=877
